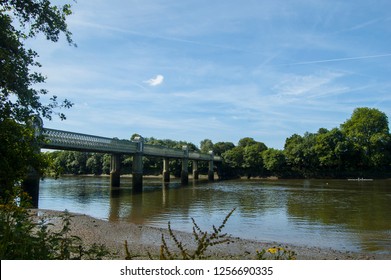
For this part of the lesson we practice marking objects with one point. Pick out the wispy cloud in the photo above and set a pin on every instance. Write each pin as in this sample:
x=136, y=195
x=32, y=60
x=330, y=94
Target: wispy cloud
x=158, y=80
x=307, y=85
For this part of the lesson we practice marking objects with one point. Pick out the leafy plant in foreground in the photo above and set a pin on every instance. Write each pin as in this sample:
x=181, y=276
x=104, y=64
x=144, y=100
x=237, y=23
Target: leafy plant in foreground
x=203, y=241
x=25, y=239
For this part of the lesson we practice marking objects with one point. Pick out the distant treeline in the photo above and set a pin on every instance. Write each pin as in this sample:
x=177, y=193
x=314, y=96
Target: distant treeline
x=360, y=147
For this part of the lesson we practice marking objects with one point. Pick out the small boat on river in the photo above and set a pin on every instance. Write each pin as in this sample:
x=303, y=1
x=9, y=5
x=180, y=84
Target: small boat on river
x=360, y=179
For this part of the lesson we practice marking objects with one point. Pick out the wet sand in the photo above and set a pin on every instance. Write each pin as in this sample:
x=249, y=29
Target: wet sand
x=143, y=239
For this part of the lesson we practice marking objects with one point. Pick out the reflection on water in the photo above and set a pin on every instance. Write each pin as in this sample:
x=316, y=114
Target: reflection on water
x=339, y=214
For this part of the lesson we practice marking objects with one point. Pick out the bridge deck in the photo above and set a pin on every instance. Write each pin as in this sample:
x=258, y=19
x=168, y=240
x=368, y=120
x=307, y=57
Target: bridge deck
x=66, y=140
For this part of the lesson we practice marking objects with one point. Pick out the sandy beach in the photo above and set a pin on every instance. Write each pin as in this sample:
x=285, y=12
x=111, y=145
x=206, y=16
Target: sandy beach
x=143, y=239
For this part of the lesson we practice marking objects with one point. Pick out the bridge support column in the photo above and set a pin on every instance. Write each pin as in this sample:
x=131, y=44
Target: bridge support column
x=137, y=173
x=31, y=182
x=211, y=173
x=31, y=186
x=185, y=166
x=195, y=170
x=166, y=170
x=115, y=170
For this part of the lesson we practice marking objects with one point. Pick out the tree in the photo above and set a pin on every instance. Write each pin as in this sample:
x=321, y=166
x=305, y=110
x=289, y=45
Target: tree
x=300, y=154
x=206, y=146
x=333, y=152
x=246, y=141
x=246, y=158
x=19, y=97
x=234, y=157
x=274, y=161
x=221, y=147
x=106, y=162
x=94, y=163
x=368, y=132
x=19, y=93
x=252, y=156
x=17, y=153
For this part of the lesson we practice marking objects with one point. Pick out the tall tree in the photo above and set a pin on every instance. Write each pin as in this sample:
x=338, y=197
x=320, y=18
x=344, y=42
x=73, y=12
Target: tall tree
x=246, y=141
x=333, y=152
x=21, y=20
x=246, y=158
x=368, y=132
x=274, y=161
x=300, y=154
x=206, y=146
x=221, y=147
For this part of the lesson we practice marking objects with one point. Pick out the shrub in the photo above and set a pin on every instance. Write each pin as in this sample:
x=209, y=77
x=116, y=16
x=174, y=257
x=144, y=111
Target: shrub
x=23, y=238
x=203, y=239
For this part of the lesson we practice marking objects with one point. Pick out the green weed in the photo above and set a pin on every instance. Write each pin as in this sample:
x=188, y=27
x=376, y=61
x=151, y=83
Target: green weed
x=203, y=241
x=23, y=238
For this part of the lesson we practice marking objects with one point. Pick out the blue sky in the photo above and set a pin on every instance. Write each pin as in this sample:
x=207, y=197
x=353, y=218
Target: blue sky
x=221, y=70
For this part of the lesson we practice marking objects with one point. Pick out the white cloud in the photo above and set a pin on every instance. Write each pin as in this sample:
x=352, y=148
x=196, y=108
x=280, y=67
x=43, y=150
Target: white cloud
x=158, y=80
x=312, y=85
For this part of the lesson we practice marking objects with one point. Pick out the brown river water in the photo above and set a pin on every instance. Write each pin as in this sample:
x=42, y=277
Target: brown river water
x=339, y=214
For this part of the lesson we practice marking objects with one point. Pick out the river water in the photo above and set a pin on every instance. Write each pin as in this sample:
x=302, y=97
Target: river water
x=338, y=214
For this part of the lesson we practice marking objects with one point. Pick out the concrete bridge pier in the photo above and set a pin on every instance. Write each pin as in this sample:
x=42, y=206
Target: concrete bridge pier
x=195, y=170
x=185, y=166
x=137, y=172
x=211, y=172
x=31, y=186
x=166, y=170
x=115, y=170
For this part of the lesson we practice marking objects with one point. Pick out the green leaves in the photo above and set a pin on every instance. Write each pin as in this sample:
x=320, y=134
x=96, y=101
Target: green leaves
x=246, y=158
x=368, y=132
x=18, y=153
x=202, y=239
x=23, y=238
x=20, y=20
x=39, y=16
x=20, y=98
x=361, y=145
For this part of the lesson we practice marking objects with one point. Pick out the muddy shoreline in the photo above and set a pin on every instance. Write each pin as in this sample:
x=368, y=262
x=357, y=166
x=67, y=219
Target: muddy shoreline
x=144, y=239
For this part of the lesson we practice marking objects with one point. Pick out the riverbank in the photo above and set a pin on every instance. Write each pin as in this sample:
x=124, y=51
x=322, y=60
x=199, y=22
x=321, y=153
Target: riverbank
x=143, y=239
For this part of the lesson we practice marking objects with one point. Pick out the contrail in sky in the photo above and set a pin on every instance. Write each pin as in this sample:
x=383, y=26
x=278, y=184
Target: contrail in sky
x=155, y=36
x=338, y=59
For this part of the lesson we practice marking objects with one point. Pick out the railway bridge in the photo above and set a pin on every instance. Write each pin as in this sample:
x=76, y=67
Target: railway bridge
x=67, y=140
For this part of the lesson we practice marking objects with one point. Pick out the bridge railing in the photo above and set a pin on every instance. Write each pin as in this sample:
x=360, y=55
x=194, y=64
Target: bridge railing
x=66, y=140
x=160, y=151
x=59, y=139
x=198, y=156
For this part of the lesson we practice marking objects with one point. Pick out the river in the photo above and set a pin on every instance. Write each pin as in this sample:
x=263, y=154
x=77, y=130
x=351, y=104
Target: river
x=338, y=214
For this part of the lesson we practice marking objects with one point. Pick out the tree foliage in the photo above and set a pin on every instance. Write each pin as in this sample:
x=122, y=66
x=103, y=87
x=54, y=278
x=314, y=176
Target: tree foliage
x=24, y=238
x=20, y=98
x=274, y=162
x=20, y=21
x=245, y=159
x=18, y=153
x=368, y=132
x=360, y=147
